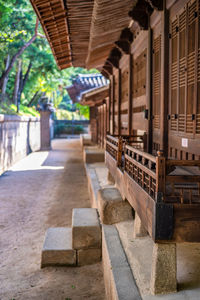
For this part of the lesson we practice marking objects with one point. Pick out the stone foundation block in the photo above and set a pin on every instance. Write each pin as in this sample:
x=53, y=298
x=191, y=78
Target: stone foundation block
x=163, y=275
x=112, y=207
x=110, y=178
x=93, y=155
x=57, y=249
x=86, y=231
x=138, y=230
x=85, y=140
x=88, y=256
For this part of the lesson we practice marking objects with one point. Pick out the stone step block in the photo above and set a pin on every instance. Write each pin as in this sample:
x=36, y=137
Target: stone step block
x=85, y=140
x=112, y=208
x=93, y=154
x=86, y=231
x=57, y=249
x=88, y=256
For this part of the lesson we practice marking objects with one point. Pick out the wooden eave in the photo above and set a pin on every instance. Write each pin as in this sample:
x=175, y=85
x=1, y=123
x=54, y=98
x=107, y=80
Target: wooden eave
x=109, y=18
x=95, y=97
x=52, y=16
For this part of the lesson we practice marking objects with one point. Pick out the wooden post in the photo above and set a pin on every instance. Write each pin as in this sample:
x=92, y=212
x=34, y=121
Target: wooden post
x=164, y=80
x=119, y=152
x=119, y=102
x=149, y=91
x=160, y=177
x=130, y=80
x=113, y=103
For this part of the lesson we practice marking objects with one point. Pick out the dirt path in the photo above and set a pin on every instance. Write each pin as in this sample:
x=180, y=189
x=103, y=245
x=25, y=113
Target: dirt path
x=39, y=192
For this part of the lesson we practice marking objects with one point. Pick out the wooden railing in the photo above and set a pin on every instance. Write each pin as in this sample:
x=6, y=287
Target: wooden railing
x=165, y=180
x=112, y=146
x=141, y=167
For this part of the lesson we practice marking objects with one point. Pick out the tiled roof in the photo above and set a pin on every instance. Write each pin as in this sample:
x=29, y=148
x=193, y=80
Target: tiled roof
x=85, y=82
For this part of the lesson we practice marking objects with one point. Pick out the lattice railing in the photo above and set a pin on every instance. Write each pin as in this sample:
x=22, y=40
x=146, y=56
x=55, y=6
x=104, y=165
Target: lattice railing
x=141, y=167
x=112, y=144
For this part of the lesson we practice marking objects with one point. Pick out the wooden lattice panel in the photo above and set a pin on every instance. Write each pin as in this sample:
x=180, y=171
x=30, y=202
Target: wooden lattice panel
x=52, y=16
x=174, y=73
x=156, y=81
x=139, y=75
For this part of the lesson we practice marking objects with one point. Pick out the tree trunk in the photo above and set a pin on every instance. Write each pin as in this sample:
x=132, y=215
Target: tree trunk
x=23, y=81
x=35, y=97
x=5, y=81
x=17, y=79
x=21, y=50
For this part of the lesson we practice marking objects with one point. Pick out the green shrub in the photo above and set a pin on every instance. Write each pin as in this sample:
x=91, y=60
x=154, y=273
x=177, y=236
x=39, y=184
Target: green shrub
x=67, y=129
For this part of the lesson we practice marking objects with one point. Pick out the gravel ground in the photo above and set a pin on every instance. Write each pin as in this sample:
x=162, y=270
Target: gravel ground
x=39, y=192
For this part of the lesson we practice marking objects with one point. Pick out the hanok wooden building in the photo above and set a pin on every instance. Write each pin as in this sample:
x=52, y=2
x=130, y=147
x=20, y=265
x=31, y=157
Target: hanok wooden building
x=90, y=90
x=150, y=52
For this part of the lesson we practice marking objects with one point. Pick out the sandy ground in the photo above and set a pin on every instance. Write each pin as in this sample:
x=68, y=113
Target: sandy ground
x=40, y=192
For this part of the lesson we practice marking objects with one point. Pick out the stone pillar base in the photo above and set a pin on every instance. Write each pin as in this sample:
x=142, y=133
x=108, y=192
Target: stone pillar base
x=110, y=178
x=138, y=230
x=163, y=273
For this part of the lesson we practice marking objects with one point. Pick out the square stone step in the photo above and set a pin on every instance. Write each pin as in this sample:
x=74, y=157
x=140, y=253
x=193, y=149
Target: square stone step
x=57, y=249
x=112, y=208
x=86, y=231
x=93, y=154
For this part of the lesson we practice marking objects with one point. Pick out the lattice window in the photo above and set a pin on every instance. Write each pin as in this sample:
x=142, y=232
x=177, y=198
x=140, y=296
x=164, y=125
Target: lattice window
x=174, y=77
x=156, y=81
x=185, y=70
x=139, y=75
x=198, y=76
x=191, y=67
x=182, y=70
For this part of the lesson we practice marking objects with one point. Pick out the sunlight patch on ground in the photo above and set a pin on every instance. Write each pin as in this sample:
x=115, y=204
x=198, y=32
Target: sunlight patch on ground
x=36, y=163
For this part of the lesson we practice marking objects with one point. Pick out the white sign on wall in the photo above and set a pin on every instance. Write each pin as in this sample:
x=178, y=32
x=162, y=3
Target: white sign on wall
x=185, y=143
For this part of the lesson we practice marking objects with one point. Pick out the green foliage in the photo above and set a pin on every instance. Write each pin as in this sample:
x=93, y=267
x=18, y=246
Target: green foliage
x=67, y=129
x=84, y=110
x=17, y=21
x=24, y=110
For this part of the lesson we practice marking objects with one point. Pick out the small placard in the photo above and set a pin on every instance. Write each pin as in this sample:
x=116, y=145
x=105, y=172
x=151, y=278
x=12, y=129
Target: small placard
x=185, y=143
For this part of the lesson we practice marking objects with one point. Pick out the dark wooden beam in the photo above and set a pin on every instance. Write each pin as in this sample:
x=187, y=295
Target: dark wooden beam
x=108, y=68
x=127, y=35
x=141, y=12
x=164, y=82
x=105, y=73
x=124, y=46
x=156, y=4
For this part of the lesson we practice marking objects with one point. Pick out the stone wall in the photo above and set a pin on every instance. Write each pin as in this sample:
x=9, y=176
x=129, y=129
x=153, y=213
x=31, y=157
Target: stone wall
x=18, y=137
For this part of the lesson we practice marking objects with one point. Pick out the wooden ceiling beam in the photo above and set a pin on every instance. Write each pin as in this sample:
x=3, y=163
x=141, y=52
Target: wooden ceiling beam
x=156, y=4
x=124, y=46
x=140, y=13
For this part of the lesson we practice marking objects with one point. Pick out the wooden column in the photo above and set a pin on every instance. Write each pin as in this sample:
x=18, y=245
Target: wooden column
x=113, y=104
x=130, y=105
x=164, y=80
x=149, y=90
x=119, y=102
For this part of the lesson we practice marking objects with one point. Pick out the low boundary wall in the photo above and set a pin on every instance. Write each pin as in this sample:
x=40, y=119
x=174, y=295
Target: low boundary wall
x=19, y=136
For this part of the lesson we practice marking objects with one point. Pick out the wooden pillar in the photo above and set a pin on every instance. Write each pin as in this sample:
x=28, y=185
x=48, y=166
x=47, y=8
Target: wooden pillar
x=45, y=129
x=93, y=123
x=119, y=102
x=164, y=80
x=149, y=90
x=113, y=103
x=130, y=105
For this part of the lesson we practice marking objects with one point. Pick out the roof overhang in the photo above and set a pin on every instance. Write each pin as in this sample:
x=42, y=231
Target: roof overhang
x=95, y=96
